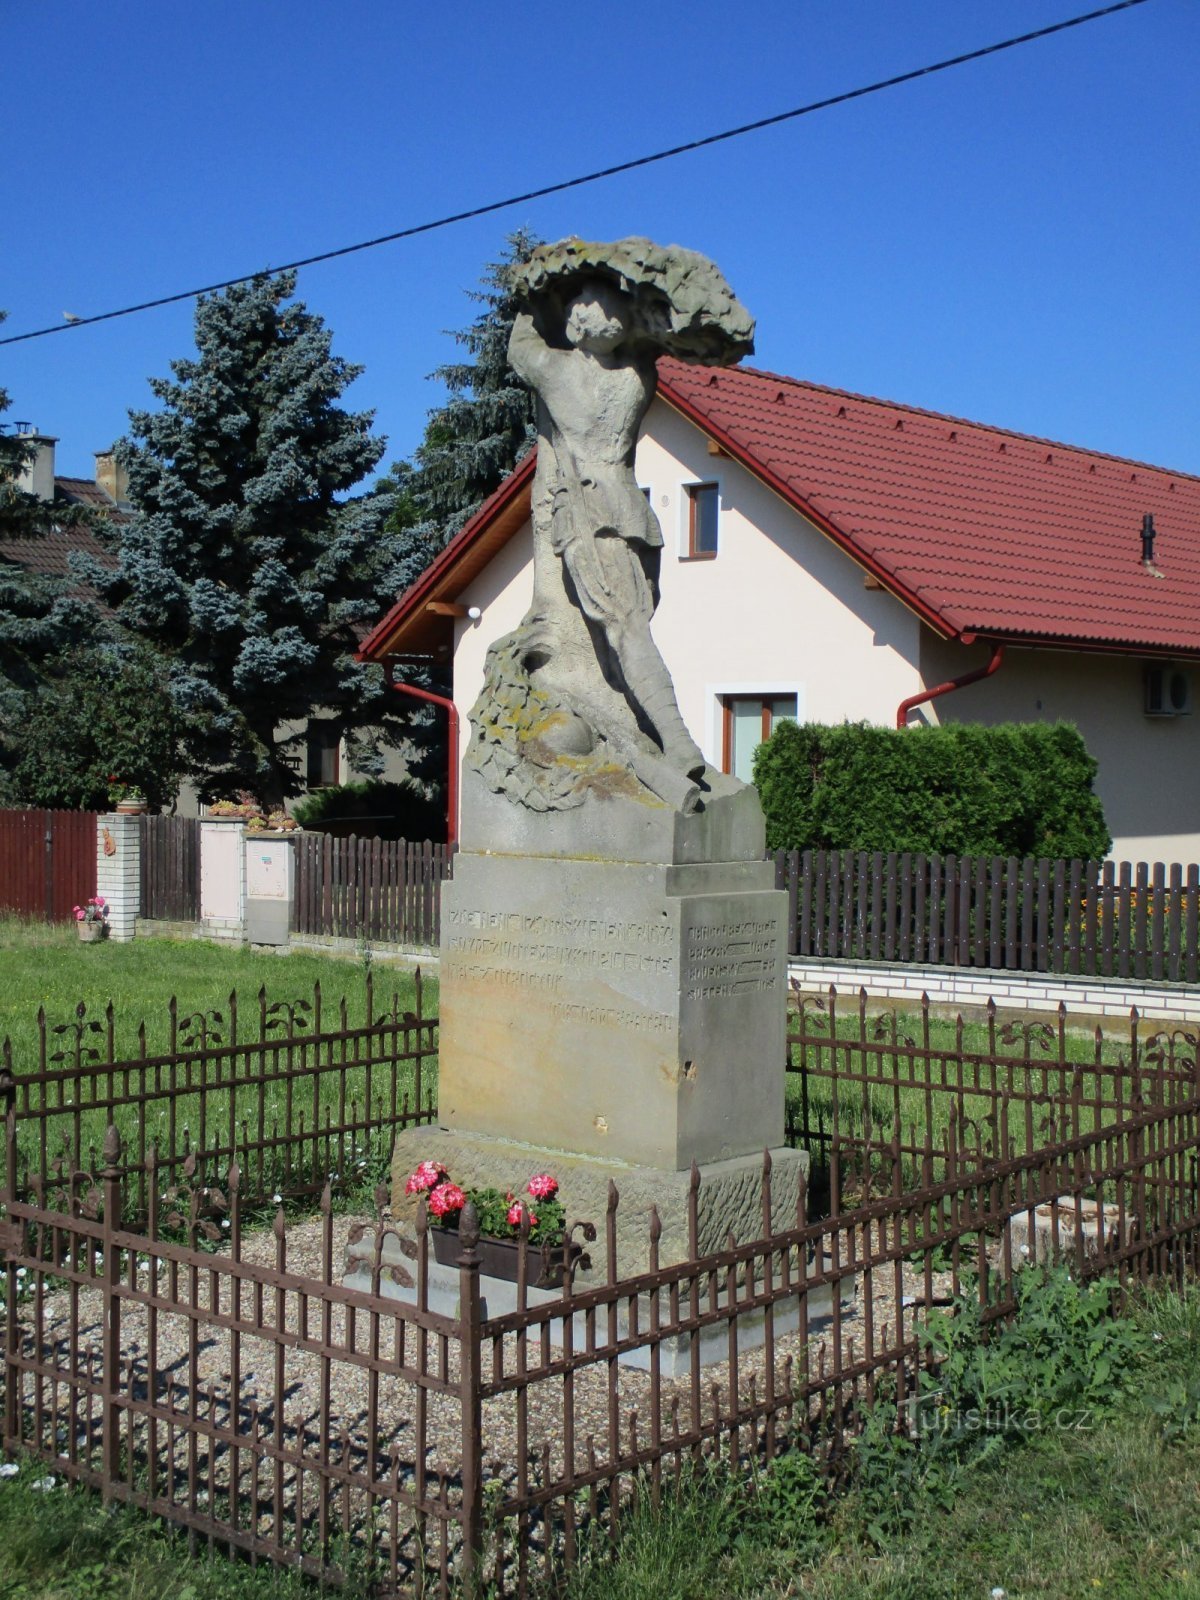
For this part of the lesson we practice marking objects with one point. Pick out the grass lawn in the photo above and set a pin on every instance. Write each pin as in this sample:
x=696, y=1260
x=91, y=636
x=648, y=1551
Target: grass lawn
x=45, y=965
x=1112, y=1510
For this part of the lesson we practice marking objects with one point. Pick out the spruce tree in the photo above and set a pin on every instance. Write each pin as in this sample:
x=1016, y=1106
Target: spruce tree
x=475, y=439
x=246, y=565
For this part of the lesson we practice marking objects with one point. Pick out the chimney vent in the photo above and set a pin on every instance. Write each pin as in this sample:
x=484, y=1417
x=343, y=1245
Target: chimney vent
x=37, y=475
x=1148, y=539
x=112, y=476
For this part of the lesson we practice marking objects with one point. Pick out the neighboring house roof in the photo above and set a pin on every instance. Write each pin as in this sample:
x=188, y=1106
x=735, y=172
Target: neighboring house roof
x=49, y=553
x=980, y=530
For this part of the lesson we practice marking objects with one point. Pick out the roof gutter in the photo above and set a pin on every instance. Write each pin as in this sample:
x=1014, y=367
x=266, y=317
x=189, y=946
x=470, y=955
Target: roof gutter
x=949, y=686
x=451, y=710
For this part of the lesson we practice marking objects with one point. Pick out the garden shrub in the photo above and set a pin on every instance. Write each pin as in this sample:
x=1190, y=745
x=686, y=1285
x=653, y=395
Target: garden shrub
x=1018, y=789
x=385, y=810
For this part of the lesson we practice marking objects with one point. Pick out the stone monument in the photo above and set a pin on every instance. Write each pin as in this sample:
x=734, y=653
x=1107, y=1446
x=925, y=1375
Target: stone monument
x=613, y=948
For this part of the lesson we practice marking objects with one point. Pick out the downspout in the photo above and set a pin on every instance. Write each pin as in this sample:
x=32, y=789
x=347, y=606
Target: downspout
x=451, y=709
x=915, y=700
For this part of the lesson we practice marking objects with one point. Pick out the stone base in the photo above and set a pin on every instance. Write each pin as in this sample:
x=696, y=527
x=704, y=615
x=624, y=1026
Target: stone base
x=675, y=1351
x=730, y=1198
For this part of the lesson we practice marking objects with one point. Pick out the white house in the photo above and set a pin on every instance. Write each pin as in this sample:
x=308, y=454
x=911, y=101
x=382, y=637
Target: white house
x=831, y=556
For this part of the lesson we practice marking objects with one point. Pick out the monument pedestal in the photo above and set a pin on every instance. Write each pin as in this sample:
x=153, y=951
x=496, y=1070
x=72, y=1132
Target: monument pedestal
x=615, y=1021
x=624, y=1010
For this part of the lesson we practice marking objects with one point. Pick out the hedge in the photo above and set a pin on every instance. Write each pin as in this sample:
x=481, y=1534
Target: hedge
x=1018, y=789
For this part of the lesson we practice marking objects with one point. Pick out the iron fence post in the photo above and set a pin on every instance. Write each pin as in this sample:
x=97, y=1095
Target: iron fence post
x=470, y=1379
x=12, y=1418
x=110, y=1177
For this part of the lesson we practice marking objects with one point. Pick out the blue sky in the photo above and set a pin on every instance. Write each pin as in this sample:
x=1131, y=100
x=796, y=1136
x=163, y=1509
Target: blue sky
x=1016, y=241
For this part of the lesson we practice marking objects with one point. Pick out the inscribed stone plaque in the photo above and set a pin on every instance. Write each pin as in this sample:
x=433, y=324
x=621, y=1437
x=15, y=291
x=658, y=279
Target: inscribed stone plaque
x=616, y=1009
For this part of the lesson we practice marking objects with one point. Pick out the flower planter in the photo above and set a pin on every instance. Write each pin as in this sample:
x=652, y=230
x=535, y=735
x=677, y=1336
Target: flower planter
x=499, y=1257
x=90, y=932
x=132, y=808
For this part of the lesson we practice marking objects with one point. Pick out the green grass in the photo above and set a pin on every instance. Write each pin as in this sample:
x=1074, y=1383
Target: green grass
x=47, y=966
x=44, y=964
x=1112, y=1511
x=1028, y=1047
x=62, y=1544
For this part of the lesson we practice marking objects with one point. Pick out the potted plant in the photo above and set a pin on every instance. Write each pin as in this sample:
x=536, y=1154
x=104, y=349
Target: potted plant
x=246, y=810
x=91, y=919
x=536, y=1215
x=127, y=798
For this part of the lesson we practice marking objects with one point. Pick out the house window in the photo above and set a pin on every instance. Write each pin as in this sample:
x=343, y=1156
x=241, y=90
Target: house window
x=749, y=719
x=323, y=741
x=704, y=504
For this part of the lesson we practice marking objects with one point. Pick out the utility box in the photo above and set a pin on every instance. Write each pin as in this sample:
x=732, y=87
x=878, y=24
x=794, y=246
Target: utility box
x=270, y=876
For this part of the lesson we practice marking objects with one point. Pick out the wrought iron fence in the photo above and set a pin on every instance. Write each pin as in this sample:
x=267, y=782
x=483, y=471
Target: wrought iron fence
x=229, y=1383
x=865, y=1084
x=294, y=1095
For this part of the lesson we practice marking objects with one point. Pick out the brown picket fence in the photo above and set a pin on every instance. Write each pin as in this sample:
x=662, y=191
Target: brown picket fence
x=1124, y=919
x=384, y=889
x=170, y=863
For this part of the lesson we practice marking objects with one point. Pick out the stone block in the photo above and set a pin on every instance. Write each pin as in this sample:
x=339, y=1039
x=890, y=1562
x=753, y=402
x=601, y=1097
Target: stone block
x=616, y=827
x=628, y=1011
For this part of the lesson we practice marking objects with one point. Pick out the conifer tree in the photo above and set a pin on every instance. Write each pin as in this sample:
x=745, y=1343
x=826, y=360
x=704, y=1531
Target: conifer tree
x=246, y=565
x=478, y=436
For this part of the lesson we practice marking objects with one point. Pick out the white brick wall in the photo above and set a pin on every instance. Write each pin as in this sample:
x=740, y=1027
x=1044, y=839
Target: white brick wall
x=1016, y=991
x=119, y=871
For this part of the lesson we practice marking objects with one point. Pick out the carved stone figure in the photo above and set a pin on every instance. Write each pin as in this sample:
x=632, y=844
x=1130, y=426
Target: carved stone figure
x=578, y=700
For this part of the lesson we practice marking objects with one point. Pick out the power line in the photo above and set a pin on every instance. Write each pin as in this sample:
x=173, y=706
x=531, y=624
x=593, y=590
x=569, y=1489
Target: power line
x=593, y=177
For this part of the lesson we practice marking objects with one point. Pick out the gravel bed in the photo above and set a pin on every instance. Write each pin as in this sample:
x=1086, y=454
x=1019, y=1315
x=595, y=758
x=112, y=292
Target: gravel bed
x=591, y=1412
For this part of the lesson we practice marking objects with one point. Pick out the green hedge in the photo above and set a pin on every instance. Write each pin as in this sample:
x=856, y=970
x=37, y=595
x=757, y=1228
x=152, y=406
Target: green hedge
x=1019, y=789
x=383, y=810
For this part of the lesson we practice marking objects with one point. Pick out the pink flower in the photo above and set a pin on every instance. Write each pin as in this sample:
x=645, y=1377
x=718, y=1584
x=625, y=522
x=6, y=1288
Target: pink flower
x=78, y=913
x=427, y=1176
x=543, y=1186
x=514, y=1215
x=446, y=1197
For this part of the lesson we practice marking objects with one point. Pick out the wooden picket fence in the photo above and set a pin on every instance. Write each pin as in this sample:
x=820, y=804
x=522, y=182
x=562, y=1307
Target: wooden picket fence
x=369, y=888
x=1122, y=920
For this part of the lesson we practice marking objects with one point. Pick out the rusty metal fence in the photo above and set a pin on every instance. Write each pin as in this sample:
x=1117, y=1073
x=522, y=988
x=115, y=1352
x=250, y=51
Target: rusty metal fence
x=402, y=1431
x=293, y=1094
x=864, y=1084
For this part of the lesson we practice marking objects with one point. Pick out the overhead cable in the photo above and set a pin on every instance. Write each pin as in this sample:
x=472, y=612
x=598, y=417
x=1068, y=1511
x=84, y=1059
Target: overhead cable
x=590, y=177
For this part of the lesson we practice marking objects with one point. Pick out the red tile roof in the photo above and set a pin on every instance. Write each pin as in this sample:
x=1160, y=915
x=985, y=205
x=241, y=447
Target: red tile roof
x=979, y=529
x=983, y=530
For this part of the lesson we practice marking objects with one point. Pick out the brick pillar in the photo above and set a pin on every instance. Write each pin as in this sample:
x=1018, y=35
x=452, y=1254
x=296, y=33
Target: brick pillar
x=119, y=872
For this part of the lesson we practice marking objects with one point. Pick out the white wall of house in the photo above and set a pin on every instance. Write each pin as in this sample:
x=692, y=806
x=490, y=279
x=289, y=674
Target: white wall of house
x=1149, y=767
x=779, y=610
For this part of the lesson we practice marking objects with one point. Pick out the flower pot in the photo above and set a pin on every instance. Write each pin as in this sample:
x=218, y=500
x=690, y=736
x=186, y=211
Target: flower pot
x=498, y=1258
x=90, y=932
x=131, y=808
